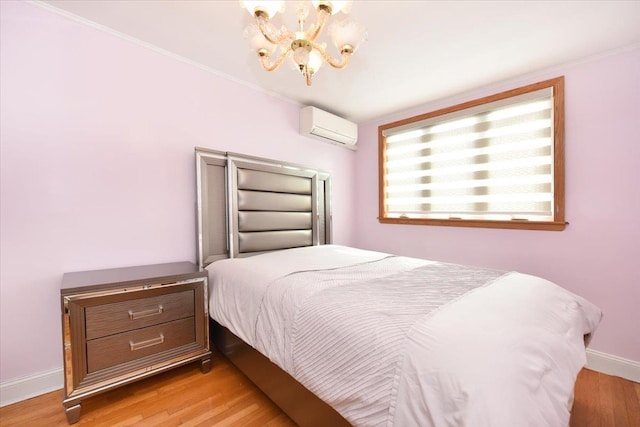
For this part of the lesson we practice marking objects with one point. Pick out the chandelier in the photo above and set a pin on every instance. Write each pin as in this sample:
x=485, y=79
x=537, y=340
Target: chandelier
x=303, y=46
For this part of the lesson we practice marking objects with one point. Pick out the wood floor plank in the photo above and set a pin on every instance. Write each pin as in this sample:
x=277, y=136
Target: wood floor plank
x=607, y=401
x=620, y=413
x=632, y=402
x=225, y=397
x=587, y=400
x=580, y=403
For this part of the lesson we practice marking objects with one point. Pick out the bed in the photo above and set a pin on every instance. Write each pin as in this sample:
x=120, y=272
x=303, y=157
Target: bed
x=344, y=336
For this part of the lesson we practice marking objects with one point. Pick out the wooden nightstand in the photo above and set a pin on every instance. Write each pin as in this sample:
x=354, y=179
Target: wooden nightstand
x=121, y=325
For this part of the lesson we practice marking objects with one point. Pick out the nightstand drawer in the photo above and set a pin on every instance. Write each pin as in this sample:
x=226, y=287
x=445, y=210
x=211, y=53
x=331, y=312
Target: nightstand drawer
x=115, y=349
x=108, y=319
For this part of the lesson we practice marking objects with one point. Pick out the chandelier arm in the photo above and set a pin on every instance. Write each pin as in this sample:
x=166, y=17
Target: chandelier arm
x=323, y=14
x=335, y=63
x=262, y=25
x=264, y=60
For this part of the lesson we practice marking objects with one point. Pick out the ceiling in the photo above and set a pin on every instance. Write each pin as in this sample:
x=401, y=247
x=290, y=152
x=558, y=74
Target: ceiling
x=416, y=51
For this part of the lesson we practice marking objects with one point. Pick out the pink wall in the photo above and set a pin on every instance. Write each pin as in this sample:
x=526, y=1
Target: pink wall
x=598, y=255
x=98, y=167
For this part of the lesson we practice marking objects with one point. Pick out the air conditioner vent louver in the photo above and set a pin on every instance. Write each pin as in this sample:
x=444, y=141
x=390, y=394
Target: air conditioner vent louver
x=325, y=126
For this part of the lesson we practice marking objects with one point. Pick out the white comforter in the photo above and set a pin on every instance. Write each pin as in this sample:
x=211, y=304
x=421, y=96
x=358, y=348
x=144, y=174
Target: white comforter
x=501, y=351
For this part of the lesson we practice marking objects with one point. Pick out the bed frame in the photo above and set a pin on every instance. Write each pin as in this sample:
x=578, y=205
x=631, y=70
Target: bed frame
x=246, y=206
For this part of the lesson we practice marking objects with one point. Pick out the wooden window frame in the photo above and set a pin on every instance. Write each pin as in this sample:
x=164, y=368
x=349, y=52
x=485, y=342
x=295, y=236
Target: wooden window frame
x=557, y=224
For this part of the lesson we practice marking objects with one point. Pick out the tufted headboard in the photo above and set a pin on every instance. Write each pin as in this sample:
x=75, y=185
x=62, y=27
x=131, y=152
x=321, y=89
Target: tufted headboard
x=249, y=205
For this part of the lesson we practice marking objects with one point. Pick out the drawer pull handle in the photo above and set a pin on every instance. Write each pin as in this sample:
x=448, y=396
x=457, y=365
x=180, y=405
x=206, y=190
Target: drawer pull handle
x=145, y=313
x=148, y=343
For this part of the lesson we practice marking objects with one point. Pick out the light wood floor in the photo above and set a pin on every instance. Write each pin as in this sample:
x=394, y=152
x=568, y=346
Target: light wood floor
x=224, y=397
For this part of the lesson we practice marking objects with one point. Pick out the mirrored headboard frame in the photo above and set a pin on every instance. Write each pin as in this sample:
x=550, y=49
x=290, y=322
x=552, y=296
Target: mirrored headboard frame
x=248, y=205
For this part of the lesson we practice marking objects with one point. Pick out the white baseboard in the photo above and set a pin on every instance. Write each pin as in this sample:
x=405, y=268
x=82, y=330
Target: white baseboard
x=613, y=365
x=45, y=382
x=31, y=386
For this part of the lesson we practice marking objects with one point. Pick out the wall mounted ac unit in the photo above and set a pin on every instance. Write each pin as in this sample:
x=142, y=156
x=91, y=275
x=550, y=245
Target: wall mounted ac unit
x=325, y=126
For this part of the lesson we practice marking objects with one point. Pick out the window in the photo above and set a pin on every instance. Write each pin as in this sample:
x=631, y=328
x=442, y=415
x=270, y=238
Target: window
x=494, y=162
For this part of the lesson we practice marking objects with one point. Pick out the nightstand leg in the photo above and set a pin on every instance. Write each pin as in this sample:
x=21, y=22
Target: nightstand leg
x=73, y=413
x=205, y=365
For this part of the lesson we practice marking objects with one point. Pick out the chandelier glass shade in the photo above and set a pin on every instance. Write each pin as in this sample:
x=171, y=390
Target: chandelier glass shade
x=303, y=46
